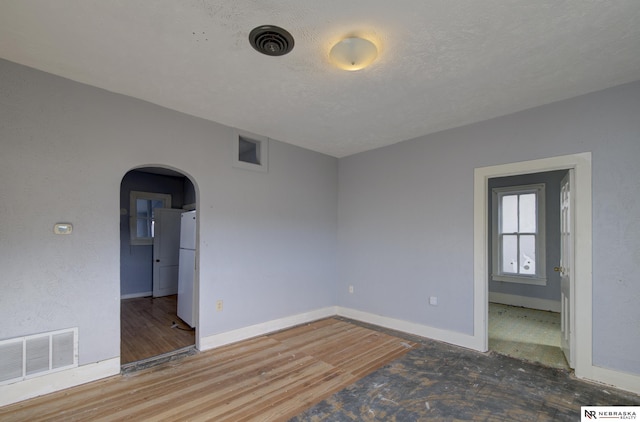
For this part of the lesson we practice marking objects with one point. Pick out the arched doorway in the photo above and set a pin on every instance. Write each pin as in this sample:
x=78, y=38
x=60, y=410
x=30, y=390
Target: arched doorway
x=152, y=201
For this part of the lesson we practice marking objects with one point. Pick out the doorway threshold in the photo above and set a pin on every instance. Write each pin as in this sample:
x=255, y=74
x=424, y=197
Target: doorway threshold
x=174, y=355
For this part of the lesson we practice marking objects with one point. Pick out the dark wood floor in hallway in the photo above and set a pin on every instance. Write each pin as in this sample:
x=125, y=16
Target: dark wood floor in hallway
x=146, y=328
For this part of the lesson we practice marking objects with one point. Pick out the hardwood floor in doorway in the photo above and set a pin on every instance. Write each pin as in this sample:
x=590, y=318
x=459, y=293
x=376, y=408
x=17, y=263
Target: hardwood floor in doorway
x=146, y=328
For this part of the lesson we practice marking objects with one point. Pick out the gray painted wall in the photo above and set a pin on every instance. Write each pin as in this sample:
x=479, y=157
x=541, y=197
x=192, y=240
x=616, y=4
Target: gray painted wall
x=406, y=215
x=136, y=261
x=552, y=181
x=401, y=217
x=267, y=240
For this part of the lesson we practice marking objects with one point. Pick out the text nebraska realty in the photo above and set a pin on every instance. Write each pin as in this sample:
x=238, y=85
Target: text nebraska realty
x=610, y=414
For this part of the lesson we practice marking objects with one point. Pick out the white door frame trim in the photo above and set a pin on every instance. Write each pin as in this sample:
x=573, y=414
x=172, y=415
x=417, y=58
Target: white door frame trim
x=582, y=300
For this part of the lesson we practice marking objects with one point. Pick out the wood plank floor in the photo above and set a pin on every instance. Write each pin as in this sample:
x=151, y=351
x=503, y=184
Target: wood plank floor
x=436, y=381
x=146, y=328
x=268, y=378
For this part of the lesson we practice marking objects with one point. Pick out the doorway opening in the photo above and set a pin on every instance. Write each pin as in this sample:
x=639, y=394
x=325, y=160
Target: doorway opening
x=152, y=203
x=524, y=249
x=577, y=302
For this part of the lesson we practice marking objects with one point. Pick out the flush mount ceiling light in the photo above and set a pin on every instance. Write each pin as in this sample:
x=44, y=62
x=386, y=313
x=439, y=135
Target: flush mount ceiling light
x=271, y=40
x=353, y=53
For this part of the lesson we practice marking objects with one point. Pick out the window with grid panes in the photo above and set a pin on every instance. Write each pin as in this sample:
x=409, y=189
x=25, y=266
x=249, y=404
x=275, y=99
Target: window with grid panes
x=518, y=234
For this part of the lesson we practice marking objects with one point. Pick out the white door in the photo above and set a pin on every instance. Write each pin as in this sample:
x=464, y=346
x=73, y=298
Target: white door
x=166, y=247
x=567, y=325
x=188, y=230
x=186, y=299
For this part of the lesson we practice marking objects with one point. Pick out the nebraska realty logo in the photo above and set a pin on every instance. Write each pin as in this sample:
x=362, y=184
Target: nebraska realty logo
x=625, y=413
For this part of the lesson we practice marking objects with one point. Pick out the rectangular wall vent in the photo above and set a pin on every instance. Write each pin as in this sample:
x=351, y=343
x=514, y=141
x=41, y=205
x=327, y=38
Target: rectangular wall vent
x=39, y=354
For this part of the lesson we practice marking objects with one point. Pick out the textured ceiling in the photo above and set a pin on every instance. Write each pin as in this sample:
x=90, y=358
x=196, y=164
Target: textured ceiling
x=442, y=63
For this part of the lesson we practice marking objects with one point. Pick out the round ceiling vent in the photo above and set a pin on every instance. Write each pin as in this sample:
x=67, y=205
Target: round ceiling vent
x=271, y=40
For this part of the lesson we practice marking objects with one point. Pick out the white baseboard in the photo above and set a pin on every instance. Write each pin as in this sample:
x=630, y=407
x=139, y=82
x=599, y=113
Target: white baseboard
x=34, y=387
x=525, y=302
x=616, y=379
x=451, y=337
x=134, y=295
x=234, y=336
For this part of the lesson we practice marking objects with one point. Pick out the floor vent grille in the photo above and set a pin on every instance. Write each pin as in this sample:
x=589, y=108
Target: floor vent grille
x=39, y=354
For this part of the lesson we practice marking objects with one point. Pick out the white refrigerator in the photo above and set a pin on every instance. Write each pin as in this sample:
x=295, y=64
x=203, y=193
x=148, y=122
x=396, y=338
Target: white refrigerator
x=186, y=269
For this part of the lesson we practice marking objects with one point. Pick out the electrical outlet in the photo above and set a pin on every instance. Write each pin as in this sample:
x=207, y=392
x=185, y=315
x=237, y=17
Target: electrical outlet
x=433, y=300
x=219, y=306
x=351, y=289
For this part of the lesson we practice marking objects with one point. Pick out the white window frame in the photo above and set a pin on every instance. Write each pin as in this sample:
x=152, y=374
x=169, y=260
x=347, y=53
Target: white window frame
x=539, y=278
x=133, y=213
